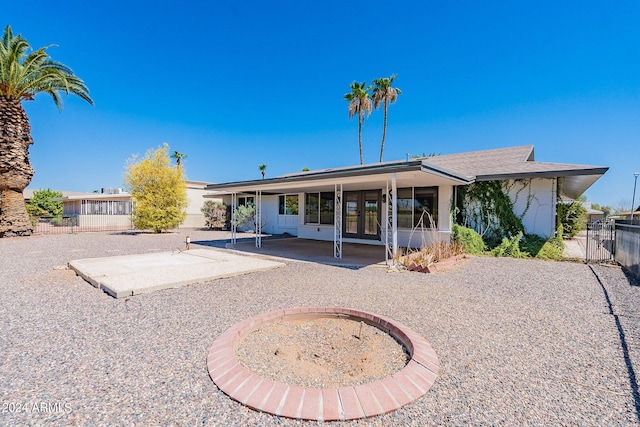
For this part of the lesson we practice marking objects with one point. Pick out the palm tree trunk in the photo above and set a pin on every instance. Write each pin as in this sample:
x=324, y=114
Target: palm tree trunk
x=15, y=168
x=360, y=123
x=384, y=130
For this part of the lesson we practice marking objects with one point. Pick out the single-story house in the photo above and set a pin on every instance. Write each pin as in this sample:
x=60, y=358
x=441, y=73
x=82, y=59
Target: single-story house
x=592, y=214
x=112, y=207
x=382, y=203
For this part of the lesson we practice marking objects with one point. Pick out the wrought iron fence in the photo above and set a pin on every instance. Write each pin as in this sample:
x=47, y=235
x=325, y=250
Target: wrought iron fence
x=69, y=224
x=601, y=241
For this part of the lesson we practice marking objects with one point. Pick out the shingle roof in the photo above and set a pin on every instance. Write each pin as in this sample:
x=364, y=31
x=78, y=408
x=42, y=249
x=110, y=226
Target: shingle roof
x=483, y=165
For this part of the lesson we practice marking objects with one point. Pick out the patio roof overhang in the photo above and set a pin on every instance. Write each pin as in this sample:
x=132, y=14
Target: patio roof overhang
x=573, y=180
x=408, y=173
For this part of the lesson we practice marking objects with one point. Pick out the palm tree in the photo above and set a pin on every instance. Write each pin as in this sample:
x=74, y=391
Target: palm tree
x=359, y=103
x=262, y=168
x=23, y=75
x=178, y=156
x=385, y=93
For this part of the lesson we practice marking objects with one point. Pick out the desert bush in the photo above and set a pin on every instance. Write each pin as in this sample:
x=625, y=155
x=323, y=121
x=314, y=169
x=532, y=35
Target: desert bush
x=431, y=254
x=469, y=239
x=215, y=214
x=510, y=247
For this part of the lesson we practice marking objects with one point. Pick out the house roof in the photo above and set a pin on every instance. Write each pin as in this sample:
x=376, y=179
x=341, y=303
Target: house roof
x=28, y=193
x=94, y=196
x=462, y=168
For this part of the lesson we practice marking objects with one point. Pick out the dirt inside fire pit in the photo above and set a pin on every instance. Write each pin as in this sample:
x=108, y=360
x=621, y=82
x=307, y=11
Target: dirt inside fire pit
x=321, y=352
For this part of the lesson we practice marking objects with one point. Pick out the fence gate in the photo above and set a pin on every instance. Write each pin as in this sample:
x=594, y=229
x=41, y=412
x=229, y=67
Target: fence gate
x=601, y=241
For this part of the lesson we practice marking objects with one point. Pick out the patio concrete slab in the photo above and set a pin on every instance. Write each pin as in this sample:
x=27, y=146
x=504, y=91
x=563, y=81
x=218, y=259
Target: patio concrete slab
x=354, y=255
x=123, y=276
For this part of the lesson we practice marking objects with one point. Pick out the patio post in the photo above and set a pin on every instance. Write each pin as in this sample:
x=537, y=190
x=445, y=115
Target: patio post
x=394, y=216
x=385, y=220
x=258, y=218
x=234, y=201
x=337, y=222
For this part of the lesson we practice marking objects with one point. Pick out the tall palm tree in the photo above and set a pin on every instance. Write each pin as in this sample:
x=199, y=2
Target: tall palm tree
x=23, y=75
x=178, y=156
x=384, y=93
x=359, y=103
x=263, y=169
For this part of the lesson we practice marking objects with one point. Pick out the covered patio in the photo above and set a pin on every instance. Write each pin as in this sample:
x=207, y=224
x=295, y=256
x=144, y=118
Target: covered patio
x=354, y=255
x=361, y=206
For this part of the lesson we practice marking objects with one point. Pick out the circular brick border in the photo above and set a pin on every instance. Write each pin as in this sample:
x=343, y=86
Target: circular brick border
x=326, y=404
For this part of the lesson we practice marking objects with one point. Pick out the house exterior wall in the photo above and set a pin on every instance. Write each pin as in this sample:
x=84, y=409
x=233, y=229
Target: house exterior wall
x=539, y=194
x=195, y=217
x=274, y=223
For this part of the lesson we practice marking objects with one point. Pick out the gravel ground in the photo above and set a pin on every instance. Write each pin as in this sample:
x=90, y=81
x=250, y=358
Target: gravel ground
x=321, y=352
x=520, y=342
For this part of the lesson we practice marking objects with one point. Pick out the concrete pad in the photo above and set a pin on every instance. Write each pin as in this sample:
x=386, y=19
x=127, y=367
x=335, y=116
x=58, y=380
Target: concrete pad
x=123, y=276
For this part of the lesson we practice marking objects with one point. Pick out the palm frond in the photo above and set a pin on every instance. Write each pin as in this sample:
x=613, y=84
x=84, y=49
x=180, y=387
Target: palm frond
x=23, y=75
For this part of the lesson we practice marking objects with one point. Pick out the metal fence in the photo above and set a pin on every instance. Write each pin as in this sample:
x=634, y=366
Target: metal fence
x=69, y=224
x=628, y=245
x=601, y=241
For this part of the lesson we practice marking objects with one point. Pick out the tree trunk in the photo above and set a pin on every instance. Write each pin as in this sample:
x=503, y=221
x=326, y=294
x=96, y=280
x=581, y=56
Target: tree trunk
x=360, y=124
x=15, y=168
x=384, y=130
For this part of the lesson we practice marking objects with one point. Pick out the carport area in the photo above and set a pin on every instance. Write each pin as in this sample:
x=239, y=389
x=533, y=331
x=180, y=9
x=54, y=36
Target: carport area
x=354, y=255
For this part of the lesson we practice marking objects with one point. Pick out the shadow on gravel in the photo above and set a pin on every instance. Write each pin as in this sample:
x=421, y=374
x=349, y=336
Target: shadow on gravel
x=633, y=280
x=633, y=381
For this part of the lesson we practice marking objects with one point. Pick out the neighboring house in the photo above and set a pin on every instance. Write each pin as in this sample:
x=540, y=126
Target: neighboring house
x=195, y=194
x=627, y=215
x=381, y=203
x=592, y=214
x=112, y=207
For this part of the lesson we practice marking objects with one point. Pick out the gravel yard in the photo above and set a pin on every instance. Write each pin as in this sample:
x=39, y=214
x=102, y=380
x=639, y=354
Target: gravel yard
x=520, y=342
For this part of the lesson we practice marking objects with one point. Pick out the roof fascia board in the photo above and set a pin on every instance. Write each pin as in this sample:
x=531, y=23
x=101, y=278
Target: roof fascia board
x=545, y=174
x=332, y=174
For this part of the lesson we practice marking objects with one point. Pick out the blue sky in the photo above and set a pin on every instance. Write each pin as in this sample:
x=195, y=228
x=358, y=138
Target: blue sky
x=234, y=84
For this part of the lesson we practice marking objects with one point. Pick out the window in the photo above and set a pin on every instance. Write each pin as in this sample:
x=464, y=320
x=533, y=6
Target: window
x=425, y=201
x=246, y=201
x=405, y=207
x=288, y=204
x=319, y=208
x=413, y=202
x=326, y=208
x=105, y=207
x=311, y=208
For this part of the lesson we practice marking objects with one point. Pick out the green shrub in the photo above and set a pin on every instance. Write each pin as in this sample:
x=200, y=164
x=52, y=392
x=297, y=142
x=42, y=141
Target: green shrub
x=538, y=247
x=571, y=217
x=510, y=247
x=469, y=239
x=215, y=215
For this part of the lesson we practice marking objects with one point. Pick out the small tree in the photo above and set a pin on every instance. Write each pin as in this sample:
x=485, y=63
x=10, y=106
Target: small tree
x=42, y=205
x=215, y=214
x=263, y=169
x=158, y=191
x=246, y=218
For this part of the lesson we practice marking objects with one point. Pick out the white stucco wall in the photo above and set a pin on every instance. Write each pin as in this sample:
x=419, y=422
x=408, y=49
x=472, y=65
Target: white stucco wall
x=195, y=217
x=540, y=193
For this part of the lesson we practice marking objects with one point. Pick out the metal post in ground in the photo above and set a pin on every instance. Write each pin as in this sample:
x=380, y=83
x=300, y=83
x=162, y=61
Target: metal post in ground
x=633, y=200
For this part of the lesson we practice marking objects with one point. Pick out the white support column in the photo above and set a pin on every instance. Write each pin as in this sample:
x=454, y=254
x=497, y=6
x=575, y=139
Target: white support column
x=258, y=217
x=337, y=222
x=394, y=217
x=387, y=225
x=234, y=201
